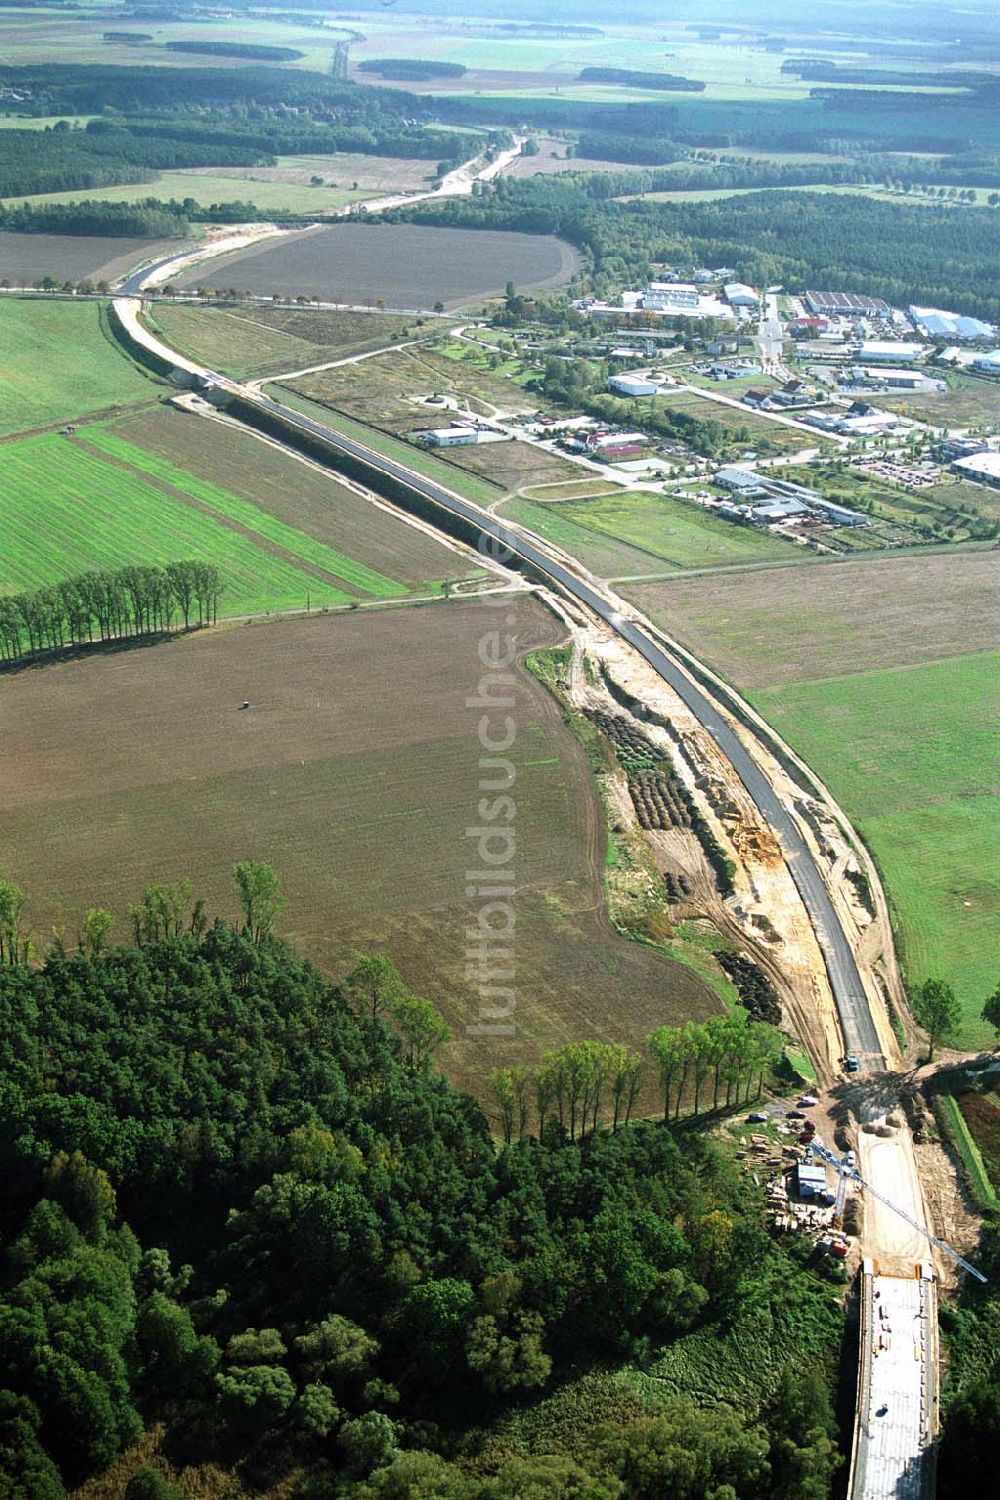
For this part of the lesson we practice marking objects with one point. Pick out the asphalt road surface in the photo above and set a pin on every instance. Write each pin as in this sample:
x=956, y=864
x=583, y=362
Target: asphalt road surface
x=860, y=1036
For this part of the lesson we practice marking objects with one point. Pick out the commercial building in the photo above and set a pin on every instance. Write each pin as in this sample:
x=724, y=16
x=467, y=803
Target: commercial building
x=741, y=481
x=845, y=305
x=879, y=352
x=781, y=508
x=967, y=447
x=612, y=447
x=671, y=296
x=982, y=466
x=450, y=437
x=634, y=385
x=738, y=294
x=988, y=363
x=936, y=323
x=895, y=380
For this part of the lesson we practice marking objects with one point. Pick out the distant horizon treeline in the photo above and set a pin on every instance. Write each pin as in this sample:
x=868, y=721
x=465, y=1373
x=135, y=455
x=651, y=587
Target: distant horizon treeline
x=108, y=606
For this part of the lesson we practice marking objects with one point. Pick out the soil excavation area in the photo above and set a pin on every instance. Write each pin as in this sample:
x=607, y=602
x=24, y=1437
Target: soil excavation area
x=356, y=773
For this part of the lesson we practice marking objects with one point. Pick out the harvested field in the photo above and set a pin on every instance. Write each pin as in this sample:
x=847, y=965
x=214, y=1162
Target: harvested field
x=251, y=340
x=407, y=265
x=638, y=532
x=58, y=363
x=26, y=258
x=913, y=755
x=298, y=495
x=360, y=798
x=769, y=627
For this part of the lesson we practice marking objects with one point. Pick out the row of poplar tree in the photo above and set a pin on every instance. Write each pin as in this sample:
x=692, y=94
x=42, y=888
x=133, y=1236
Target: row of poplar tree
x=578, y=1086
x=105, y=606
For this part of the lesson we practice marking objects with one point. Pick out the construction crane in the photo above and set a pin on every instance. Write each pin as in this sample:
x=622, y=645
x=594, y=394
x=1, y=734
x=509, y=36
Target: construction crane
x=847, y=1173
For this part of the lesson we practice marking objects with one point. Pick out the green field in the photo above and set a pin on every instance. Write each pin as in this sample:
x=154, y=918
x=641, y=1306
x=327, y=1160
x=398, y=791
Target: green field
x=292, y=541
x=69, y=507
x=58, y=362
x=638, y=532
x=267, y=194
x=912, y=754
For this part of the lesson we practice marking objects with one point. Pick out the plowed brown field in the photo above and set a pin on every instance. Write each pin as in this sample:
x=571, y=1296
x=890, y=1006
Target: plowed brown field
x=355, y=773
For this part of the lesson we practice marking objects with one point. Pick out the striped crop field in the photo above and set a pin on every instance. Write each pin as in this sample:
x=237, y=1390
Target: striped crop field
x=246, y=514
x=70, y=505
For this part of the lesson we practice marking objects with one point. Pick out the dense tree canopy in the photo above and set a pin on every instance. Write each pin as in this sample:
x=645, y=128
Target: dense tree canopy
x=327, y=1256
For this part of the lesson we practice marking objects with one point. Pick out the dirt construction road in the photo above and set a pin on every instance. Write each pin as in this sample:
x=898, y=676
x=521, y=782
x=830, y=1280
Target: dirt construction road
x=888, y=1163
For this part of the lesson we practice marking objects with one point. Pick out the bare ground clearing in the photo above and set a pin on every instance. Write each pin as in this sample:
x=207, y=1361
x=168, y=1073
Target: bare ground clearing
x=356, y=773
x=766, y=627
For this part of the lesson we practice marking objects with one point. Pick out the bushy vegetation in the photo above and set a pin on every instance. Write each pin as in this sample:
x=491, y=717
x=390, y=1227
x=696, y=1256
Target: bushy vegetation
x=240, y=1199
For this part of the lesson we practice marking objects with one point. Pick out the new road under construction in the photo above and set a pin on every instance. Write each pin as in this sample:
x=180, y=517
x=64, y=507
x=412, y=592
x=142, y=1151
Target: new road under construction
x=896, y=1410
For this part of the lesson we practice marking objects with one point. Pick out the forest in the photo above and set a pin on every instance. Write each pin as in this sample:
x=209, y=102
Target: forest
x=905, y=253
x=636, y=79
x=120, y=148
x=242, y=1201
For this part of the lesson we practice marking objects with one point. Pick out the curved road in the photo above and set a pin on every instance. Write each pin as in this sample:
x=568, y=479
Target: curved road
x=860, y=1035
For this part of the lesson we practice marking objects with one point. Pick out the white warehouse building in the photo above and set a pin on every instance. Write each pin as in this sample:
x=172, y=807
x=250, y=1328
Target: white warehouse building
x=880, y=353
x=634, y=385
x=737, y=294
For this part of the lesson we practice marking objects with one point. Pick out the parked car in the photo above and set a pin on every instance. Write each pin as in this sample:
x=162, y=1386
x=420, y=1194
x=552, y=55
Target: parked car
x=757, y=1118
x=852, y=1064
x=794, y=1114
x=850, y=1159
x=808, y=1101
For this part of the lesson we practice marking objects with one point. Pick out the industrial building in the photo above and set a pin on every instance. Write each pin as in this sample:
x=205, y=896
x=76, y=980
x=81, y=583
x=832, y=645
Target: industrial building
x=951, y=448
x=881, y=352
x=845, y=305
x=450, y=437
x=634, y=385
x=737, y=294
x=988, y=363
x=982, y=466
x=741, y=481
x=935, y=323
x=671, y=296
